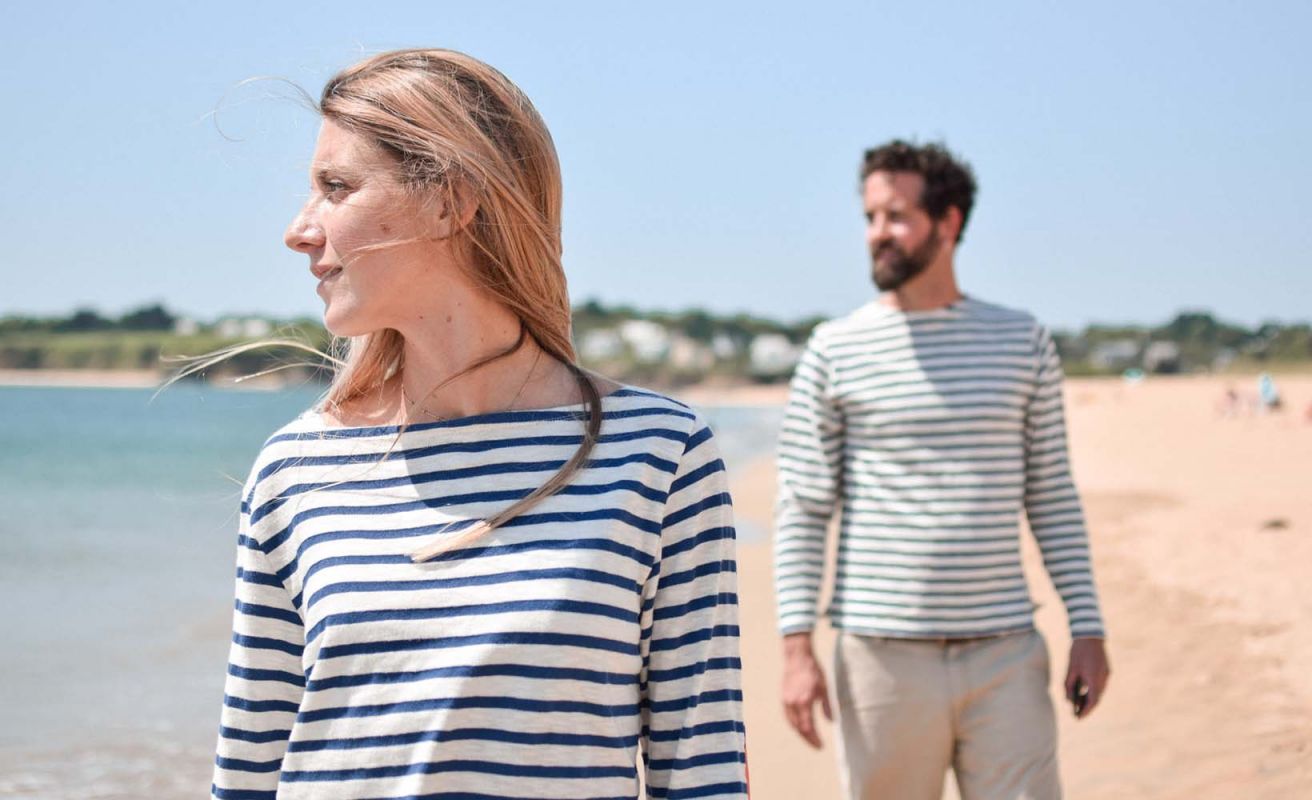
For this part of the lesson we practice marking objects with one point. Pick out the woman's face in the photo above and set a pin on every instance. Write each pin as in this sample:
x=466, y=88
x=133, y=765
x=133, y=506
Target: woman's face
x=375, y=254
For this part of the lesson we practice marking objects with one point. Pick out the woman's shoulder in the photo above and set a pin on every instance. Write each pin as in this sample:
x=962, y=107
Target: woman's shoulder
x=628, y=400
x=313, y=424
x=685, y=425
x=282, y=444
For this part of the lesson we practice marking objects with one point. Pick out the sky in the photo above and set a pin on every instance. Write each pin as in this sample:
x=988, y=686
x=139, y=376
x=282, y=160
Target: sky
x=1134, y=159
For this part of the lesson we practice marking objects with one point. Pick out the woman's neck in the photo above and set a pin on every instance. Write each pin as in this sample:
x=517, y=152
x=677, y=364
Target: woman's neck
x=439, y=378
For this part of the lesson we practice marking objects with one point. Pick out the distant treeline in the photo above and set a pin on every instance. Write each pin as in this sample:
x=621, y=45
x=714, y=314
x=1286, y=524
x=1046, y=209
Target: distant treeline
x=629, y=343
x=696, y=324
x=148, y=338
x=147, y=318
x=1194, y=341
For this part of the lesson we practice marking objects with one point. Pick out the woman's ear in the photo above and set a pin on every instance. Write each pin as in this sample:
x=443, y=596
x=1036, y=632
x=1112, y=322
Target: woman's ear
x=452, y=210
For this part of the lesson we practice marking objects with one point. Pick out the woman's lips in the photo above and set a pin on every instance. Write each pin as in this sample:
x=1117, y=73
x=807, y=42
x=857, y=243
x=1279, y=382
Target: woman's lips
x=321, y=271
x=328, y=277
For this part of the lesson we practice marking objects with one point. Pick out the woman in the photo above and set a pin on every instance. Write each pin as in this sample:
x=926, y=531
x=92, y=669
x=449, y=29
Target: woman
x=474, y=570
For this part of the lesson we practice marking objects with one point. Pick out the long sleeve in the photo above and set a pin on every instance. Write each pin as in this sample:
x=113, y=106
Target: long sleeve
x=265, y=680
x=693, y=737
x=1052, y=504
x=810, y=484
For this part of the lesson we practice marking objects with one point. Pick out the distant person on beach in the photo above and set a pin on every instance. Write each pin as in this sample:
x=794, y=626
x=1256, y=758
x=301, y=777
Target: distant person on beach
x=1267, y=394
x=1230, y=403
x=932, y=419
x=473, y=570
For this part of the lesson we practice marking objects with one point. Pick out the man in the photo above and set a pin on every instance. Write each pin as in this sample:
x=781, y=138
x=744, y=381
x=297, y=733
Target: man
x=932, y=419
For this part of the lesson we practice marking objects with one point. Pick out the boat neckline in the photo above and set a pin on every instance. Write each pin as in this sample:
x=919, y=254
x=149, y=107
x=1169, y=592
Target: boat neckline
x=311, y=421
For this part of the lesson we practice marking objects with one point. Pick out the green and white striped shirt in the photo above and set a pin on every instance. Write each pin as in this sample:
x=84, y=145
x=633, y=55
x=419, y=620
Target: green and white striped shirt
x=932, y=431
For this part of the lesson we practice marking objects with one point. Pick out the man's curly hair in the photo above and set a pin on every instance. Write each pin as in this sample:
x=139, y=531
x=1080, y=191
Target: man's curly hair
x=949, y=181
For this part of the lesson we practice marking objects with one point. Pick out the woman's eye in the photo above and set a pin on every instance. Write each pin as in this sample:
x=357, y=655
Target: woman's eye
x=333, y=189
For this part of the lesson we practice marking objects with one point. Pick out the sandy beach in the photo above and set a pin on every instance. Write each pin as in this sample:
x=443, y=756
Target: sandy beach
x=1202, y=537
x=92, y=378
x=136, y=379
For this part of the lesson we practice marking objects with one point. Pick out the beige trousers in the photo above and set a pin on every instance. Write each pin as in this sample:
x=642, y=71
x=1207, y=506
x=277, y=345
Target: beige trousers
x=910, y=709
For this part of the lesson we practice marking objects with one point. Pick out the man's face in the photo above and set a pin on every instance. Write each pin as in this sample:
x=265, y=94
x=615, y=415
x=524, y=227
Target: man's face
x=903, y=238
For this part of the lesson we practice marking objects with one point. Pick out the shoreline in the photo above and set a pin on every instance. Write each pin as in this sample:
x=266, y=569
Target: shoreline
x=125, y=379
x=748, y=395
x=711, y=392
x=83, y=378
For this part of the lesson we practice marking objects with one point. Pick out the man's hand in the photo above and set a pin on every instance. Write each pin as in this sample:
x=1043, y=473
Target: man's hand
x=804, y=684
x=1089, y=664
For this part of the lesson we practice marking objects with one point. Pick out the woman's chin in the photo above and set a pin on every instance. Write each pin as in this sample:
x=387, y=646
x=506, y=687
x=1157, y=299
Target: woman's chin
x=344, y=325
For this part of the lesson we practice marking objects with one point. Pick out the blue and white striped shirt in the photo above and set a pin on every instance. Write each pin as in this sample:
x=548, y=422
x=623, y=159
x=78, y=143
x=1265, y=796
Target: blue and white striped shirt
x=933, y=431
x=540, y=661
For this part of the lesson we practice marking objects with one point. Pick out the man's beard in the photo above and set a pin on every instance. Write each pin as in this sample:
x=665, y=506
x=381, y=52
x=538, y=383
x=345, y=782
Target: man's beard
x=904, y=266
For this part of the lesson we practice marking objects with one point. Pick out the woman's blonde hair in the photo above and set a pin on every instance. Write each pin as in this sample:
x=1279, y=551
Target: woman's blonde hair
x=464, y=137
x=462, y=134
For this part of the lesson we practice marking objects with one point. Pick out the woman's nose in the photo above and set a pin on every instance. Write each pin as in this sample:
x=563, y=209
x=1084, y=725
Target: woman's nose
x=304, y=235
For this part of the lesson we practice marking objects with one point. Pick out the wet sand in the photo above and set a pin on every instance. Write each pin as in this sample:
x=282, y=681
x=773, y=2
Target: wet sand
x=1202, y=537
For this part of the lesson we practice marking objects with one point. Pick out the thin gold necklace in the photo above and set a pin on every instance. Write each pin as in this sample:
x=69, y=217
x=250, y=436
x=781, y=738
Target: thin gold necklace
x=411, y=405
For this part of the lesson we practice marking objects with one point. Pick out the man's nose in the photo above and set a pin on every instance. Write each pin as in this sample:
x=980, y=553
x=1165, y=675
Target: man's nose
x=877, y=231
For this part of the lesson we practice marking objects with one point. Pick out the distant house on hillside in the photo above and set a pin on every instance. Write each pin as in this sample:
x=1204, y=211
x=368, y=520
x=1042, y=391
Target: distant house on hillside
x=649, y=341
x=1115, y=356
x=687, y=355
x=600, y=345
x=1162, y=358
x=243, y=327
x=772, y=357
x=724, y=347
